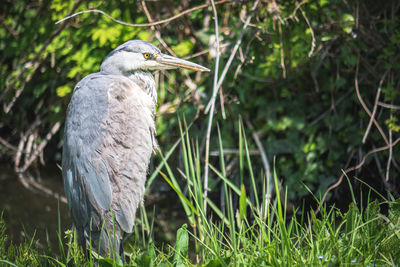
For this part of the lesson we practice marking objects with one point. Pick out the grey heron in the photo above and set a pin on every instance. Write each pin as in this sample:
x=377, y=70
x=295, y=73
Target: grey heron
x=109, y=138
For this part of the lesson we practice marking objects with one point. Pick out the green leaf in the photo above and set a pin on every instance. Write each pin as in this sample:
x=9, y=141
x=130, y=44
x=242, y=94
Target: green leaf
x=145, y=260
x=350, y=217
x=347, y=23
x=181, y=247
x=394, y=211
x=109, y=262
x=63, y=90
x=144, y=35
x=372, y=210
x=393, y=124
x=214, y=263
x=328, y=37
x=183, y=48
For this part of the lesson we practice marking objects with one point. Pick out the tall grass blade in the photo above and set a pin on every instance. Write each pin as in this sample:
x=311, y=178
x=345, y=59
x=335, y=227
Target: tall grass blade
x=281, y=222
x=8, y=263
x=242, y=203
x=249, y=166
x=188, y=209
x=231, y=185
x=180, y=194
x=350, y=187
x=59, y=236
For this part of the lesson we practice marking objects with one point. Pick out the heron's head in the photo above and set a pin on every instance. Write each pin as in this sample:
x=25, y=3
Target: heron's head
x=136, y=55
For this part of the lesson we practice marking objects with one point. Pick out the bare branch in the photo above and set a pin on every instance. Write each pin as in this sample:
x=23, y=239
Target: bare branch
x=378, y=93
x=390, y=154
x=293, y=15
x=205, y=51
x=40, y=148
x=190, y=10
x=359, y=165
x=385, y=105
x=281, y=50
x=312, y=32
x=156, y=31
x=264, y=160
x=331, y=108
x=7, y=144
x=233, y=53
x=233, y=151
x=364, y=105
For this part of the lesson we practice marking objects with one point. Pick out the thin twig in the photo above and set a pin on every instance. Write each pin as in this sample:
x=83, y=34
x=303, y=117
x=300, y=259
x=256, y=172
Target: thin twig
x=364, y=105
x=281, y=50
x=41, y=146
x=190, y=10
x=210, y=118
x=355, y=168
x=331, y=108
x=378, y=94
x=312, y=32
x=395, y=164
x=385, y=105
x=314, y=71
x=233, y=151
x=293, y=15
x=264, y=159
x=379, y=166
x=23, y=137
x=221, y=101
x=390, y=154
x=19, y=153
x=233, y=53
x=157, y=33
x=18, y=92
x=7, y=144
x=205, y=51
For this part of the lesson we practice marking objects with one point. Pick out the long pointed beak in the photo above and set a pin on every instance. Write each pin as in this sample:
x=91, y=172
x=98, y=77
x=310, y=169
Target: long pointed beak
x=174, y=62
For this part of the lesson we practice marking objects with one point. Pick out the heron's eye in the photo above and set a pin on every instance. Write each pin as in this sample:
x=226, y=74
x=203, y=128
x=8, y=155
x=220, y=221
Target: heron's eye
x=147, y=56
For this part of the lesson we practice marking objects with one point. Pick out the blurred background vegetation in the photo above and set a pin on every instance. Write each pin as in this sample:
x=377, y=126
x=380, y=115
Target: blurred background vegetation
x=293, y=82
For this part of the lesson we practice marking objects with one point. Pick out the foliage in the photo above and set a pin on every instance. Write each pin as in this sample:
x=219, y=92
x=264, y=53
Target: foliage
x=293, y=79
x=266, y=235
x=17, y=255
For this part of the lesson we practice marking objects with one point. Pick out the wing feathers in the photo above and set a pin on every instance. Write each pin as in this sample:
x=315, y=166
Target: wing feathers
x=109, y=139
x=86, y=180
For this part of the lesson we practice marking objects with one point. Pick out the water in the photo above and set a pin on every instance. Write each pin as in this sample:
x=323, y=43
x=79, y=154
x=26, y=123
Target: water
x=28, y=210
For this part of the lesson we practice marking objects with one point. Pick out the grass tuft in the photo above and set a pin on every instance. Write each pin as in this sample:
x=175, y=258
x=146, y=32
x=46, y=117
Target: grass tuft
x=244, y=227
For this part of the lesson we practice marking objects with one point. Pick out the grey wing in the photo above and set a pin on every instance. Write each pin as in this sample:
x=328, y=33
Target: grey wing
x=86, y=180
x=109, y=139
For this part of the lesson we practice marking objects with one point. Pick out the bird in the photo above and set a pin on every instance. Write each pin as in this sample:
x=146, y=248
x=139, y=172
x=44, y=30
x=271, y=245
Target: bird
x=109, y=138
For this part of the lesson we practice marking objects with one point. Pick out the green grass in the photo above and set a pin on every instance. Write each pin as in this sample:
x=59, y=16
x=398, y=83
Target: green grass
x=256, y=231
